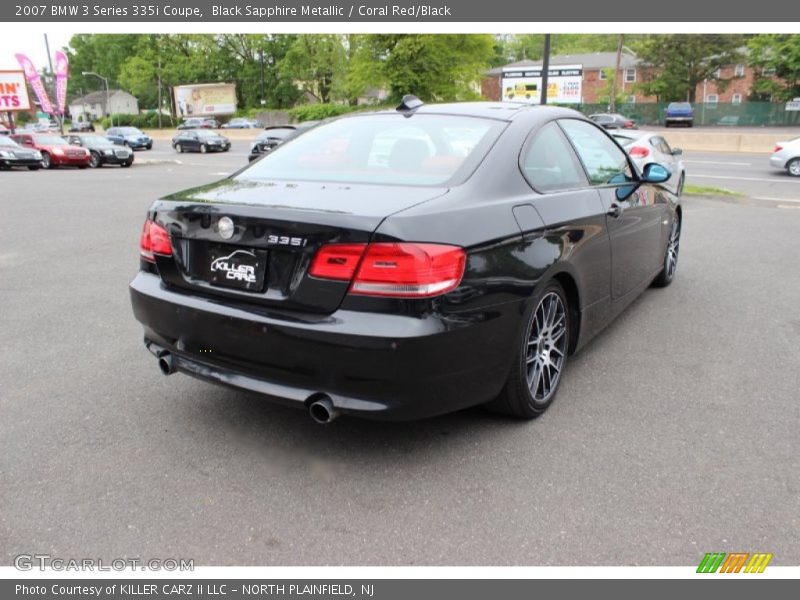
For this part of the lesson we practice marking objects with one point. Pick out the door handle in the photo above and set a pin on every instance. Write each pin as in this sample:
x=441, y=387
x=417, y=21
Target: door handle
x=615, y=210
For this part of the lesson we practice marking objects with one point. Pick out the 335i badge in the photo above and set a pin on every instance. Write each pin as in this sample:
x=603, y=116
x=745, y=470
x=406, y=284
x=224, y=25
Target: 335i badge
x=402, y=264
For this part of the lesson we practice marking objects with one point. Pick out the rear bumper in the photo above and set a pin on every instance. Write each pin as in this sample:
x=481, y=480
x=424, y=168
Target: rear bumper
x=378, y=366
x=681, y=119
x=779, y=162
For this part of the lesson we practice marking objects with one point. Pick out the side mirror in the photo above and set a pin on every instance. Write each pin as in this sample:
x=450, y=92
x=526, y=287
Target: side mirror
x=677, y=152
x=655, y=173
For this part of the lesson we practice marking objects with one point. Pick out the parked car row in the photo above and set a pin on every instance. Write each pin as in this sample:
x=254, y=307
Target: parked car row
x=48, y=151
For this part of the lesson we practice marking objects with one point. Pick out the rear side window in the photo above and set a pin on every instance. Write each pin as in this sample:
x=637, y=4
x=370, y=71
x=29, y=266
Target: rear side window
x=604, y=161
x=548, y=162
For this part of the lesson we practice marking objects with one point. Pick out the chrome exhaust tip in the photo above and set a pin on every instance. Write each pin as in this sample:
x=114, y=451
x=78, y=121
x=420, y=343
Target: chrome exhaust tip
x=322, y=410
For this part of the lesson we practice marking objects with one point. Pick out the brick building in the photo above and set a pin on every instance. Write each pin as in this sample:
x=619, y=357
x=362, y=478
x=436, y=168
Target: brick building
x=738, y=78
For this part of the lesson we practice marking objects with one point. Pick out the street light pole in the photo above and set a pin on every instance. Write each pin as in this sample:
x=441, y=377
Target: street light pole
x=105, y=81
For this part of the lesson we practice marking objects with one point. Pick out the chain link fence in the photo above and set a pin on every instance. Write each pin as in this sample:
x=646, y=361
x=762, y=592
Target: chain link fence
x=746, y=114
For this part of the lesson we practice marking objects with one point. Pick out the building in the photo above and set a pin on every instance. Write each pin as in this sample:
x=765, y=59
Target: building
x=594, y=71
x=592, y=80
x=93, y=106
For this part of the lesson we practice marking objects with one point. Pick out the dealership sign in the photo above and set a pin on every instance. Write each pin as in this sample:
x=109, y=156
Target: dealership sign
x=205, y=99
x=13, y=91
x=525, y=84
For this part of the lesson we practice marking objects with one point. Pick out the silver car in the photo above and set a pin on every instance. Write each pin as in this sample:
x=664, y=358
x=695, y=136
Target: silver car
x=650, y=147
x=787, y=156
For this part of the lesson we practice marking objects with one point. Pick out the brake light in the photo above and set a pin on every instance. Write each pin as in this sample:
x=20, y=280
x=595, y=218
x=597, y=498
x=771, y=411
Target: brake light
x=639, y=152
x=337, y=261
x=777, y=149
x=154, y=240
x=397, y=270
x=628, y=124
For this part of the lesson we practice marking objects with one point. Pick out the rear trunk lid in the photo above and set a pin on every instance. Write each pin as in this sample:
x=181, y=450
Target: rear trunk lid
x=277, y=227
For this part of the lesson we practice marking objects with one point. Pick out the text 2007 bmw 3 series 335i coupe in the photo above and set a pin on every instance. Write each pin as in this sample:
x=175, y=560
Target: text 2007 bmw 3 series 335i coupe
x=407, y=263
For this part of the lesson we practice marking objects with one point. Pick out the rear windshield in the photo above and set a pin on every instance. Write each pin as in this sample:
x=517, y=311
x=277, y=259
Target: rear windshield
x=277, y=133
x=679, y=106
x=382, y=149
x=206, y=134
x=624, y=140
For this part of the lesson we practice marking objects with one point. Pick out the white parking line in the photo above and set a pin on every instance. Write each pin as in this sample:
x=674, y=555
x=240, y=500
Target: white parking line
x=775, y=180
x=717, y=162
x=773, y=199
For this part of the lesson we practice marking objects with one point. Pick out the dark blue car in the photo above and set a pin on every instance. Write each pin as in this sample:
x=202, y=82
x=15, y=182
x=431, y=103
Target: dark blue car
x=679, y=113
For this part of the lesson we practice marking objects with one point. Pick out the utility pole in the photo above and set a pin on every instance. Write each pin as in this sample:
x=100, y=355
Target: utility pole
x=159, y=85
x=612, y=103
x=545, y=69
x=263, y=99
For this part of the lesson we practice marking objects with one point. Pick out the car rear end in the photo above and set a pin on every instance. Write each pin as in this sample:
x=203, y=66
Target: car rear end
x=786, y=156
x=679, y=113
x=286, y=288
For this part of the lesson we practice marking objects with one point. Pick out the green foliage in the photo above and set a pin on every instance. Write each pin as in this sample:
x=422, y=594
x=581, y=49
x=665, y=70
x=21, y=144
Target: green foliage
x=317, y=112
x=143, y=121
x=434, y=67
x=780, y=52
x=318, y=63
x=683, y=61
x=604, y=93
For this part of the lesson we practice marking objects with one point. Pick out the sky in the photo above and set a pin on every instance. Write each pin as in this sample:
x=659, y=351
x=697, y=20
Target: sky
x=31, y=44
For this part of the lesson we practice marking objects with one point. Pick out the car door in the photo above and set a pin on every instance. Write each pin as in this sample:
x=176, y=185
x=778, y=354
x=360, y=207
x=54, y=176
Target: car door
x=634, y=212
x=573, y=215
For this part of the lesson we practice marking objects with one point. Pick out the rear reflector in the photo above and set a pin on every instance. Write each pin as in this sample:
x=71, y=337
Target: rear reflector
x=397, y=270
x=639, y=152
x=154, y=240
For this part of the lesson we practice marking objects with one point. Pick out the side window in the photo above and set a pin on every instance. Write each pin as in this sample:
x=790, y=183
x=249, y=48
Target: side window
x=663, y=145
x=548, y=162
x=603, y=160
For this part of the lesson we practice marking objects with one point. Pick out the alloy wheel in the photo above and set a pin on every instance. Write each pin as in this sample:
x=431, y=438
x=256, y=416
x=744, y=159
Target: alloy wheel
x=794, y=167
x=672, y=248
x=546, y=347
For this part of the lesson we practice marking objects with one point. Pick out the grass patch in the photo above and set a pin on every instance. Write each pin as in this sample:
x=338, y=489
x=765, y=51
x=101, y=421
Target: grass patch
x=703, y=190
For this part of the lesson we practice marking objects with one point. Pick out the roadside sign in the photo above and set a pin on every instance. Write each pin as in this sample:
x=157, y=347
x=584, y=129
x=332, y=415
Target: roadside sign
x=13, y=91
x=793, y=104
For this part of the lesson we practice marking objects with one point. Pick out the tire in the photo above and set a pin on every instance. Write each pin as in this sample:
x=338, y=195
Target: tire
x=34, y=168
x=681, y=183
x=127, y=163
x=203, y=148
x=47, y=161
x=83, y=167
x=94, y=160
x=178, y=148
x=544, y=336
x=793, y=167
x=670, y=264
x=150, y=146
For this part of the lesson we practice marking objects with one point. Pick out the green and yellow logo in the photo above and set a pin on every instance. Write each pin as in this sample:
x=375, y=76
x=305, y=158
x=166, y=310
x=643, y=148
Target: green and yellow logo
x=734, y=562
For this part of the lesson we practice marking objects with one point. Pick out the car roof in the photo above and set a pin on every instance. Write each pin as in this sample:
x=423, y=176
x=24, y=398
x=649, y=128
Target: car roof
x=502, y=111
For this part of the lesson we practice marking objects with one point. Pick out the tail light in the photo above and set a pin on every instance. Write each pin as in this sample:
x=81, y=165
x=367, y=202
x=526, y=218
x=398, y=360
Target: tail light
x=628, y=124
x=639, y=152
x=777, y=149
x=397, y=270
x=154, y=240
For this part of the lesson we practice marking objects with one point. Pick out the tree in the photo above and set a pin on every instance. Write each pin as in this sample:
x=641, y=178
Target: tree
x=781, y=53
x=317, y=63
x=439, y=67
x=681, y=62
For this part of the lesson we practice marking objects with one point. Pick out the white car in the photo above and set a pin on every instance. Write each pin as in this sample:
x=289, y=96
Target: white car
x=649, y=146
x=787, y=156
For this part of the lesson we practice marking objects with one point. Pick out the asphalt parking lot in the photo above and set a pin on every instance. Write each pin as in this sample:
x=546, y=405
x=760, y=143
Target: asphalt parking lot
x=675, y=432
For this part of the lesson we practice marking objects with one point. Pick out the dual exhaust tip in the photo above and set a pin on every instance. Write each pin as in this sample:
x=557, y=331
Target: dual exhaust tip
x=321, y=409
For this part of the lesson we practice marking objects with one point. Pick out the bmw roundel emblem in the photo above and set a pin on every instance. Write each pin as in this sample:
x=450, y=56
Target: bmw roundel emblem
x=225, y=228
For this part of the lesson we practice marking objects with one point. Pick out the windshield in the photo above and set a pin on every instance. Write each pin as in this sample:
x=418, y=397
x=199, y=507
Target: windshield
x=96, y=140
x=381, y=149
x=130, y=131
x=7, y=141
x=51, y=140
x=206, y=134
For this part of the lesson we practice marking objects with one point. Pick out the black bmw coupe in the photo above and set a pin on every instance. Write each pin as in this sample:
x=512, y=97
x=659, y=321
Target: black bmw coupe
x=407, y=263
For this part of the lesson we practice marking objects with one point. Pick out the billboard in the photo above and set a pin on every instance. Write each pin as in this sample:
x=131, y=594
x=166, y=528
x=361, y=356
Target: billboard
x=13, y=91
x=205, y=99
x=524, y=84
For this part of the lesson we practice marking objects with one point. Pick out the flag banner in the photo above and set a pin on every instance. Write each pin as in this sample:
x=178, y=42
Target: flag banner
x=32, y=75
x=62, y=75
